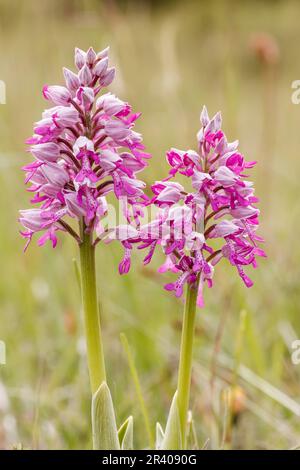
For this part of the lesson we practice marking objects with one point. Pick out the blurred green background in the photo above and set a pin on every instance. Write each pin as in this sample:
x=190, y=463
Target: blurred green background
x=171, y=57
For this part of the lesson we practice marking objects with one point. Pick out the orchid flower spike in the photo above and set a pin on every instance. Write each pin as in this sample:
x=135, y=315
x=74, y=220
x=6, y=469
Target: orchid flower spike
x=221, y=207
x=84, y=147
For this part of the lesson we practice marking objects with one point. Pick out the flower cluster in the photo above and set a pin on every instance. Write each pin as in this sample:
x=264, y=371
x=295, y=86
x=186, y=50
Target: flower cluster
x=220, y=207
x=84, y=147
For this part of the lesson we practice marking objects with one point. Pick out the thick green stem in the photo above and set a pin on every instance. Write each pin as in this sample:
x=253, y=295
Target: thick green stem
x=95, y=354
x=186, y=357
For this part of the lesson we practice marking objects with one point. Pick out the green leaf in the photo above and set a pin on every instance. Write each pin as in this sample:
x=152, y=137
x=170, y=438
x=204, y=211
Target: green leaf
x=105, y=434
x=125, y=434
x=172, y=438
x=159, y=436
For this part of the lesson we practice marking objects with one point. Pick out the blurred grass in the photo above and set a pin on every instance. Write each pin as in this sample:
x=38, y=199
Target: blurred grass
x=171, y=59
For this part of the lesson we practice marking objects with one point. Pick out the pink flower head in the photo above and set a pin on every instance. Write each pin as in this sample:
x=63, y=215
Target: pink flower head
x=84, y=147
x=220, y=206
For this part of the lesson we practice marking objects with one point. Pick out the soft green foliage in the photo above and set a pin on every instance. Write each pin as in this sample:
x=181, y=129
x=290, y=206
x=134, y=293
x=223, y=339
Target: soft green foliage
x=172, y=437
x=105, y=434
x=170, y=61
x=125, y=434
x=159, y=436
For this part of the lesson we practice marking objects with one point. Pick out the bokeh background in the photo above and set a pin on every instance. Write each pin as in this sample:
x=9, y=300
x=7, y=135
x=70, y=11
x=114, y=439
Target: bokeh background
x=172, y=57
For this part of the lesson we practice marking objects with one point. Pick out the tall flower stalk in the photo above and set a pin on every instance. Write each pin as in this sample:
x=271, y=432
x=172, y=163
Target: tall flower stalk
x=186, y=358
x=196, y=230
x=84, y=148
x=95, y=354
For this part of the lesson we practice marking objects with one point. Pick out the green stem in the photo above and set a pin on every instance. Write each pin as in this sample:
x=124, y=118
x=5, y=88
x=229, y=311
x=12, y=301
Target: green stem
x=95, y=354
x=186, y=357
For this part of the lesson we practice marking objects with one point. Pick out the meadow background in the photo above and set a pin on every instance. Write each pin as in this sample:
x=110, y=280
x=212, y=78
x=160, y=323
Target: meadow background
x=172, y=57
